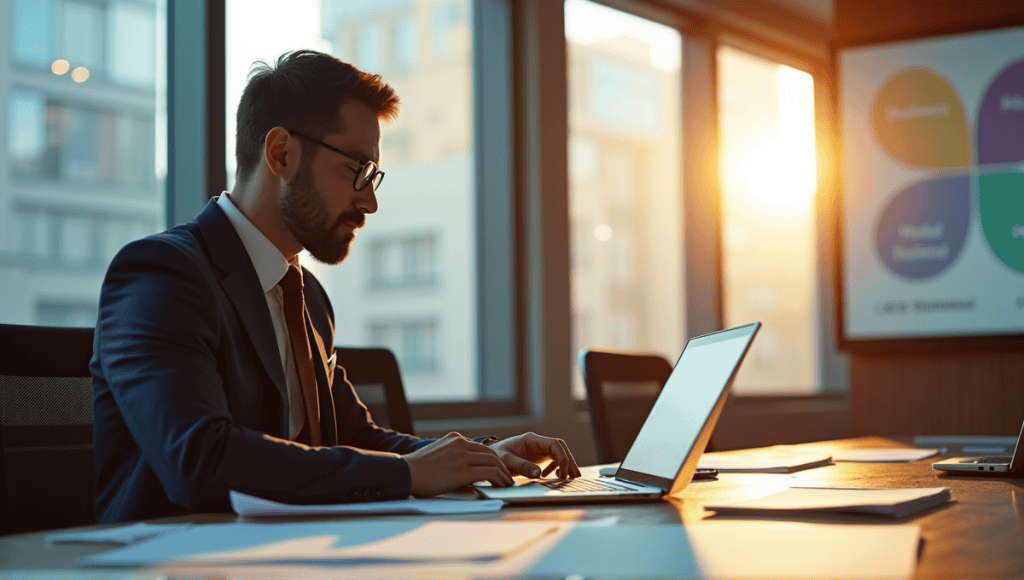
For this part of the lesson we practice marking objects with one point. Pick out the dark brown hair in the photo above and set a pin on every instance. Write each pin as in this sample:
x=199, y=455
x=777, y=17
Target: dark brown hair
x=303, y=92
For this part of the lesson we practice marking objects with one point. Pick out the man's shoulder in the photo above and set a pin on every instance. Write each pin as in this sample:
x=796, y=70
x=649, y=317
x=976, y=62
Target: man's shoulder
x=182, y=242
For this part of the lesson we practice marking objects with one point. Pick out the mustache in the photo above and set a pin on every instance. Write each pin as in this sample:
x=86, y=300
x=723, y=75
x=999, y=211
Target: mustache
x=354, y=217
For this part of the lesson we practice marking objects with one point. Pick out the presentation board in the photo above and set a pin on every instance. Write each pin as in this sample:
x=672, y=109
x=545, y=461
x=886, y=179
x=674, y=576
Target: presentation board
x=933, y=187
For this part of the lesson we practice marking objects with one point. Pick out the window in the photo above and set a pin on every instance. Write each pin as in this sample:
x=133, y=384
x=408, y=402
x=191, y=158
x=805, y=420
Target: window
x=414, y=342
x=52, y=140
x=768, y=219
x=369, y=47
x=76, y=148
x=403, y=284
x=447, y=26
x=404, y=43
x=408, y=262
x=625, y=192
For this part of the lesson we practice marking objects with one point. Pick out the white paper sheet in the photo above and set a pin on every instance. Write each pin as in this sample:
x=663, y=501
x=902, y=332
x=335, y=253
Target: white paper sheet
x=250, y=506
x=883, y=455
x=777, y=460
x=115, y=535
x=892, y=502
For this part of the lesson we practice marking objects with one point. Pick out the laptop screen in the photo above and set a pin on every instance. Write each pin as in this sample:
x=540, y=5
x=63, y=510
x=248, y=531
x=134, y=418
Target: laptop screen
x=686, y=402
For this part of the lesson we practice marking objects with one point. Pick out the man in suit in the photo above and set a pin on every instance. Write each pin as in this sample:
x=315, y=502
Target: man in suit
x=213, y=367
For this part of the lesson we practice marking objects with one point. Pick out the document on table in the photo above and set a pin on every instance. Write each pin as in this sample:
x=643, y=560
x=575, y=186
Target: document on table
x=335, y=544
x=250, y=506
x=115, y=535
x=770, y=550
x=772, y=460
x=897, y=455
x=805, y=500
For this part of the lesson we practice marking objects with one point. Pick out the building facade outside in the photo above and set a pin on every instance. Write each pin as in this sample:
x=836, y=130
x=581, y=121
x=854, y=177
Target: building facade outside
x=81, y=86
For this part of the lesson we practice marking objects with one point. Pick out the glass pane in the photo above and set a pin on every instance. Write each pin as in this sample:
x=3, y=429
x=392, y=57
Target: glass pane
x=766, y=114
x=410, y=280
x=80, y=171
x=625, y=191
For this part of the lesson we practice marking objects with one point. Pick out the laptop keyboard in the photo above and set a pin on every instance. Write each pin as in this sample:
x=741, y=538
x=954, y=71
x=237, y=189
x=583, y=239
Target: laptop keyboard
x=584, y=485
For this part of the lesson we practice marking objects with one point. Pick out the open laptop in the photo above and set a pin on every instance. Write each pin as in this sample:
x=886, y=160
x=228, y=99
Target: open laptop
x=664, y=455
x=988, y=465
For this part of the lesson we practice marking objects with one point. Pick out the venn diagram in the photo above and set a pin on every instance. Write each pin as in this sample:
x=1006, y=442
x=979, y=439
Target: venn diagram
x=920, y=121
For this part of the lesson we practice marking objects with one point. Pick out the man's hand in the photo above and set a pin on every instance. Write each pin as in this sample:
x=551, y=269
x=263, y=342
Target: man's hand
x=452, y=462
x=522, y=452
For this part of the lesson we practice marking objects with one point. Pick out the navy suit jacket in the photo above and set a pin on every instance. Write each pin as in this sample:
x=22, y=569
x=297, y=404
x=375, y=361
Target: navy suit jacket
x=189, y=392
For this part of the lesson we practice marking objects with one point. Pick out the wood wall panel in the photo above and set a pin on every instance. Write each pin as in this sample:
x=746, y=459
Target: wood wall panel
x=980, y=393
x=957, y=392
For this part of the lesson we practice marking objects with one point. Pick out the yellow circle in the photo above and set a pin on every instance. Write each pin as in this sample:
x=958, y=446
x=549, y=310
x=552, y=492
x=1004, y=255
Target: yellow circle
x=60, y=66
x=80, y=74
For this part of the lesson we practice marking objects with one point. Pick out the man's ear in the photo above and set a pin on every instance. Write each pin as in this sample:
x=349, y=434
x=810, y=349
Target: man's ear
x=282, y=153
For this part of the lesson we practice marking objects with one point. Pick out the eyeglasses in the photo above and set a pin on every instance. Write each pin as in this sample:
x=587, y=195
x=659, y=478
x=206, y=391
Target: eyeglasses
x=367, y=173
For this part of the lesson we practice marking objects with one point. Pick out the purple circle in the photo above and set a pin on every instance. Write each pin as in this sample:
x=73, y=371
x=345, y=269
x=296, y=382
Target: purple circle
x=1001, y=118
x=924, y=227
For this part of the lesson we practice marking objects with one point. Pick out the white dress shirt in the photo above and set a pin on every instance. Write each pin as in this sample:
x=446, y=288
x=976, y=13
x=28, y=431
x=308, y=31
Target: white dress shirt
x=271, y=266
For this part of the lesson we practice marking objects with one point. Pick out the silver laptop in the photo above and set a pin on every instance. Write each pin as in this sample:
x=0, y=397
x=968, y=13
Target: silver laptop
x=664, y=454
x=988, y=465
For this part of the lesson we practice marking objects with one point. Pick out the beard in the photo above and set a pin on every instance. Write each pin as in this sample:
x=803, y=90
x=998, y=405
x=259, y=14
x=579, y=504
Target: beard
x=304, y=213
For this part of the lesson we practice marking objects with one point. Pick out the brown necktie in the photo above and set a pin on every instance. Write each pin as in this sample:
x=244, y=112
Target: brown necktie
x=302, y=355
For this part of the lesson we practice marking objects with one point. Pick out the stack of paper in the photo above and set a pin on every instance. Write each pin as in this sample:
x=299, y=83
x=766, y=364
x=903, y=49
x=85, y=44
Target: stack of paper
x=253, y=507
x=802, y=500
x=775, y=460
x=894, y=455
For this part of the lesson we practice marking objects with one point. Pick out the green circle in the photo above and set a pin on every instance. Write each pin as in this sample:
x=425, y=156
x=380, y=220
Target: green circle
x=1001, y=206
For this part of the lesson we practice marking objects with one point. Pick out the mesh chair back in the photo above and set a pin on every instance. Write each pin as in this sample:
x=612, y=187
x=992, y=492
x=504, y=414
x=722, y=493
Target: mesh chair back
x=374, y=374
x=48, y=474
x=621, y=389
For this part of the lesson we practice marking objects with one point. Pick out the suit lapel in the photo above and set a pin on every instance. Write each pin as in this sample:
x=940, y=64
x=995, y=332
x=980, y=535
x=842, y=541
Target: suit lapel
x=242, y=286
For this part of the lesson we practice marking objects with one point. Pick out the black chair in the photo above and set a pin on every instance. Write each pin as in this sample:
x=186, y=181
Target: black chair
x=374, y=373
x=47, y=473
x=621, y=389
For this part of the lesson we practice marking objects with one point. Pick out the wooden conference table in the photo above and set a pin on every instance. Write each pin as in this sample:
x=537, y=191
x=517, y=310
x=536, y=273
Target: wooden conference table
x=979, y=534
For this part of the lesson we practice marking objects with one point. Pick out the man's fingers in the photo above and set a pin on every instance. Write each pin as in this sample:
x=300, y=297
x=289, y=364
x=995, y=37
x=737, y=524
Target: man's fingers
x=496, y=477
x=522, y=466
x=490, y=459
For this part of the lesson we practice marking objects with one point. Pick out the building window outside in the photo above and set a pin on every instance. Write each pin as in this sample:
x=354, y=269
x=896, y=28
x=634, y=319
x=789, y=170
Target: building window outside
x=414, y=343
x=769, y=257
x=404, y=43
x=56, y=313
x=369, y=47
x=409, y=262
x=112, y=40
x=76, y=144
x=51, y=140
x=447, y=21
x=625, y=187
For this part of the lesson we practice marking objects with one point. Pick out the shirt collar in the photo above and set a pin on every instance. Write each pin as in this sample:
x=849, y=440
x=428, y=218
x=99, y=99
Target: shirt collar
x=270, y=264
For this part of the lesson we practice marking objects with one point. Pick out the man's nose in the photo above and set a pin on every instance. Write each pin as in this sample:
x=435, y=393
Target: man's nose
x=367, y=200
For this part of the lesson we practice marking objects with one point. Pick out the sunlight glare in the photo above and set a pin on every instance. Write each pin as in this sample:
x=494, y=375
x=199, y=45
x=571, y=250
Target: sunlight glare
x=778, y=171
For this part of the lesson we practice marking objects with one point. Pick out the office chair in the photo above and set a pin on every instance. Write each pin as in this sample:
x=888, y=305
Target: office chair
x=374, y=373
x=621, y=389
x=47, y=474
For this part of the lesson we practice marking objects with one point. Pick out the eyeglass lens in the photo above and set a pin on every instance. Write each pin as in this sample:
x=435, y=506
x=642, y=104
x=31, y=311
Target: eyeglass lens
x=368, y=174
